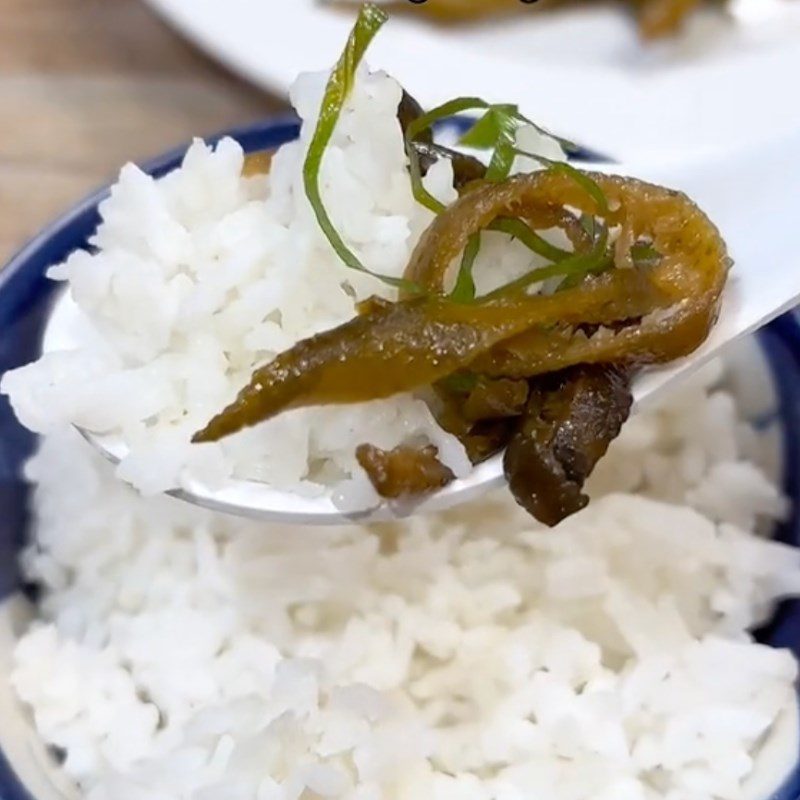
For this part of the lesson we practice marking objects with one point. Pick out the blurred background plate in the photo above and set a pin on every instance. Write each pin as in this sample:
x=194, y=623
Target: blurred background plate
x=580, y=70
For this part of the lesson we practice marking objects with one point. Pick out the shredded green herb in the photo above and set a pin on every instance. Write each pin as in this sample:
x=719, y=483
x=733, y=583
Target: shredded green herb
x=340, y=85
x=498, y=117
x=573, y=269
x=422, y=123
x=460, y=382
x=464, y=289
x=589, y=225
x=527, y=236
x=497, y=130
x=644, y=255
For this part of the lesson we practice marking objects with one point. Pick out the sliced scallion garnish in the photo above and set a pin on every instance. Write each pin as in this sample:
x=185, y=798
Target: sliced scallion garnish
x=538, y=244
x=496, y=129
x=464, y=289
x=340, y=85
x=644, y=255
x=573, y=269
x=423, y=123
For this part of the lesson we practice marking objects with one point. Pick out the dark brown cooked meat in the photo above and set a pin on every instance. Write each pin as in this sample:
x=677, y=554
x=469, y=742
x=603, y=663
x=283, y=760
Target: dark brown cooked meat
x=403, y=472
x=466, y=169
x=495, y=398
x=571, y=418
x=408, y=111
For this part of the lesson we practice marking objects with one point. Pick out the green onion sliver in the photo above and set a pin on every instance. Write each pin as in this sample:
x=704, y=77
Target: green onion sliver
x=340, y=85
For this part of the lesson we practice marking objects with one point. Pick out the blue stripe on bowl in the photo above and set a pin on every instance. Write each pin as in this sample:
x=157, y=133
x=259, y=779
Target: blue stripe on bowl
x=25, y=298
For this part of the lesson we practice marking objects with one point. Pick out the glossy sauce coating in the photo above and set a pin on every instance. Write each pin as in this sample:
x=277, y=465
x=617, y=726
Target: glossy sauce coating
x=571, y=419
x=490, y=361
x=404, y=471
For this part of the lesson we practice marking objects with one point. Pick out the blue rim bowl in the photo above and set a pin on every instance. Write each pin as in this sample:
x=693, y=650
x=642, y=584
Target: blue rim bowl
x=26, y=297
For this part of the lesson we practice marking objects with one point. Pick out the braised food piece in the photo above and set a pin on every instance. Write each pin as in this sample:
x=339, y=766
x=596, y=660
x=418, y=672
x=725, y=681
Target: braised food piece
x=257, y=163
x=420, y=340
x=409, y=110
x=571, y=418
x=404, y=471
x=403, y=346
x=495, y=399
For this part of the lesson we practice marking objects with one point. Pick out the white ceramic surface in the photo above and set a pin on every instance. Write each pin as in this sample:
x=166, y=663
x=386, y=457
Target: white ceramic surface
x=724, y=83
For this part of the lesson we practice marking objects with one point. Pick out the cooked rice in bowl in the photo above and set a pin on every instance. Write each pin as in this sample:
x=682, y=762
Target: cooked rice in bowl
x=470, y=654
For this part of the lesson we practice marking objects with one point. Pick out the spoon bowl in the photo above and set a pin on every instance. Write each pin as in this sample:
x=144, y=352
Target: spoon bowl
x=752, y=206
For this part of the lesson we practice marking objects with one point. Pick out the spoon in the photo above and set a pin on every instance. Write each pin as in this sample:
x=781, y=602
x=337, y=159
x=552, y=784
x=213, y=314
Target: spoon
x=752, y=206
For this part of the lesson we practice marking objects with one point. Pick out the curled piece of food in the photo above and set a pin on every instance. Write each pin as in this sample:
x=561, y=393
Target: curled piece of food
x=648, y=295
x=404, y=471
x=571, y=418
x=402, y=346
x=690, y=274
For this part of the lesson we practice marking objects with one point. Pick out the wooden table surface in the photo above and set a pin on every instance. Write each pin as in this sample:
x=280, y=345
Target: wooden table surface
x=86, y=85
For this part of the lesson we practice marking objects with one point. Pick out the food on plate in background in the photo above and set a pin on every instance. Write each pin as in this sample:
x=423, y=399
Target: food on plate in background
x=656, y=18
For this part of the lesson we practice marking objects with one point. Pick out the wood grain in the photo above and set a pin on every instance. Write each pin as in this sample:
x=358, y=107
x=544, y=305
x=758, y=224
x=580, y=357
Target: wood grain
x=86, y=85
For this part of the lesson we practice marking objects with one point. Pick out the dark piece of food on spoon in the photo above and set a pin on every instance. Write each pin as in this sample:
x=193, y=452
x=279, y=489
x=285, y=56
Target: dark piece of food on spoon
x=659, y=313
x=409, y=110
x=571, y=419
x=405, y=471
x=495, y=398
x=466, y=168
x=479, y=411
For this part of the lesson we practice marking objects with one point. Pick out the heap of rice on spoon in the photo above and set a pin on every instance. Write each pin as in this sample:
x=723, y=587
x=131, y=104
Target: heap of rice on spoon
x=459, y=308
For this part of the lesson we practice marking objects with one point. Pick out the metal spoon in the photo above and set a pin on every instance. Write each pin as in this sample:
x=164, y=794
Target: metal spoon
x=754, y=202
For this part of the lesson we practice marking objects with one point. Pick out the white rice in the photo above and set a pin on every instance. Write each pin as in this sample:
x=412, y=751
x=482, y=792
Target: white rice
x=200, y=277
x=465, y=656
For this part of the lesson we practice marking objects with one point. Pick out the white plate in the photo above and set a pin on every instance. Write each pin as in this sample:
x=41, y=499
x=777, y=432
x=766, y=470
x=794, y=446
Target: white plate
x=725, y=83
